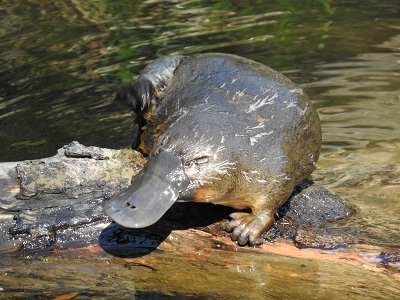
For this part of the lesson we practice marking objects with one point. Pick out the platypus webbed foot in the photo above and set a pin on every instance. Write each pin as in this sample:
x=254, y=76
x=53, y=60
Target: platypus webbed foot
x=247, y=228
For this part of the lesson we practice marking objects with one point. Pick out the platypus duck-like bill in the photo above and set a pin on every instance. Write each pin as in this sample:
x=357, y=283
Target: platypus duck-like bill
x=152, y=192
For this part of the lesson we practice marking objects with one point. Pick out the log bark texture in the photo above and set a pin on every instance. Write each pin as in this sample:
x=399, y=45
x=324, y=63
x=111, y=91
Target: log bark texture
x=38, y=197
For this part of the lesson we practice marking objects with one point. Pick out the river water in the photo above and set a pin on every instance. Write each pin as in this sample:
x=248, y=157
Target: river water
x=62, y=61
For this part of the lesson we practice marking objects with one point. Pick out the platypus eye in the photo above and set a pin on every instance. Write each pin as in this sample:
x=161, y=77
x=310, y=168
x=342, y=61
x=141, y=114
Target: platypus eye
x=196, y=161
x=188, y=163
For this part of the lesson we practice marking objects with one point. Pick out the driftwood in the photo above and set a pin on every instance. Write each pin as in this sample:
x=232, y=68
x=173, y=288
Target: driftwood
x=74, y=172
x=56, y=203
x=60, y=191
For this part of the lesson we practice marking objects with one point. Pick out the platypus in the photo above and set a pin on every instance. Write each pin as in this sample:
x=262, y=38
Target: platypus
x=217, y=128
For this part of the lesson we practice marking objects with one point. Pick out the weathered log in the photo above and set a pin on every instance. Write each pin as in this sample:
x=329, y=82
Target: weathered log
x=61, y=191
x=75, y=172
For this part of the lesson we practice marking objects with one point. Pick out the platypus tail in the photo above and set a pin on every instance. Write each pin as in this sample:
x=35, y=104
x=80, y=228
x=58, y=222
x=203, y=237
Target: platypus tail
x=143, y=93
x=136, y=95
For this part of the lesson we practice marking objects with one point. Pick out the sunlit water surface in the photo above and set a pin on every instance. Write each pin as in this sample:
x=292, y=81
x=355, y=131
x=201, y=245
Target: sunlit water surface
x=62, y=61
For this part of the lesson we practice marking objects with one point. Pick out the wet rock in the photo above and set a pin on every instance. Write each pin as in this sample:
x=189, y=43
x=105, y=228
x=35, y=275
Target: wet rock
x=311, y=205
x=308, y=217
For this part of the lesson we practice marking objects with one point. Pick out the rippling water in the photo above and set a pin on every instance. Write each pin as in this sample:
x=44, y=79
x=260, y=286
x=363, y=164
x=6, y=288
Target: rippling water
x=62, y=61
x=359, y=101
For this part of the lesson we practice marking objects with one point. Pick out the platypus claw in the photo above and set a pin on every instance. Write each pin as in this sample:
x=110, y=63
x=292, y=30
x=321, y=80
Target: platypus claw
x=247, y=228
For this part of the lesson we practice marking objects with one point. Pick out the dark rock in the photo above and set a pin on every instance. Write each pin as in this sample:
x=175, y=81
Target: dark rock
x=311, y=205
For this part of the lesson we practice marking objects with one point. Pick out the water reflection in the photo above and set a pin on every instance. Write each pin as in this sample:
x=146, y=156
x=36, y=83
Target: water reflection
x=358, y=99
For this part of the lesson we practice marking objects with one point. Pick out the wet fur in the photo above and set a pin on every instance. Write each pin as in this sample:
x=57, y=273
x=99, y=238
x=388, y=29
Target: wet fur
x=137, y=96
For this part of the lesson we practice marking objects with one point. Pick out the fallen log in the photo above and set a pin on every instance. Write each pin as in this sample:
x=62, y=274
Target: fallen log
x=60, y=191
x=74, y=172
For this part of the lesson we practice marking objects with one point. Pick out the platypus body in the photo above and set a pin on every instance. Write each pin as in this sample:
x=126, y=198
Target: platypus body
x=222, y=129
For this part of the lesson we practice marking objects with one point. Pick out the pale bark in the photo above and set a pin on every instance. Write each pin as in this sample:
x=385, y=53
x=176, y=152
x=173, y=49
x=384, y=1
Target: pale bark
x=75, y=172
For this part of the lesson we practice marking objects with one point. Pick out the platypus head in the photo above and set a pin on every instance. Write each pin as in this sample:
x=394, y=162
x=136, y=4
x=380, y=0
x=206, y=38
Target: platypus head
x=184, y=157
x=151, y=194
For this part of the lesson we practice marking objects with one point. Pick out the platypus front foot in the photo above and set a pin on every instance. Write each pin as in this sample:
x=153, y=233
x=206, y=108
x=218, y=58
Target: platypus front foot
x=247, y=228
